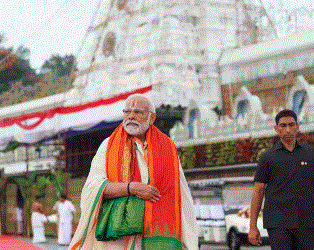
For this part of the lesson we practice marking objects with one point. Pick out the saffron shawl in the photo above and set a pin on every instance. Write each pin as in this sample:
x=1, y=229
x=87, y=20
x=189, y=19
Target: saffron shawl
x=162, y=220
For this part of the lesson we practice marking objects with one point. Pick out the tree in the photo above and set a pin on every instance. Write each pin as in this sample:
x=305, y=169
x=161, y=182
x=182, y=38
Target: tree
x=2, y=39
x=63, y=66
x=14, y=66
x=30, y=76
x=23, y=53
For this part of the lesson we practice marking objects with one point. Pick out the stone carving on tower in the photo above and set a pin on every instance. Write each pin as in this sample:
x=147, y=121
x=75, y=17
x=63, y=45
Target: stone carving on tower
x=171, y=44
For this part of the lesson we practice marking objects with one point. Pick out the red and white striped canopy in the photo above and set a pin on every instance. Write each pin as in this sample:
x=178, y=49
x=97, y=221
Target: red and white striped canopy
x=34, y=127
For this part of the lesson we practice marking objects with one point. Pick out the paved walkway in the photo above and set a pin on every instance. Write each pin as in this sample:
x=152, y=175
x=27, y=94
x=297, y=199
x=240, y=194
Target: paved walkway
x=224, y=247
x=51, y=244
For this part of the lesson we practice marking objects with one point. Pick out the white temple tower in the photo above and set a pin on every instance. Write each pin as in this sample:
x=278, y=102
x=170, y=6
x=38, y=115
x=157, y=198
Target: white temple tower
x=171, y=44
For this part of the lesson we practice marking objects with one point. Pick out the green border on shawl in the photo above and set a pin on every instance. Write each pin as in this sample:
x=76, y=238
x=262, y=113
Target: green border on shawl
x=161, y=243
x=100, y=190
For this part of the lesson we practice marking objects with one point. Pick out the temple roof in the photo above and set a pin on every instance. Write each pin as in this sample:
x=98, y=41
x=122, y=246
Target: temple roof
x=268, y=49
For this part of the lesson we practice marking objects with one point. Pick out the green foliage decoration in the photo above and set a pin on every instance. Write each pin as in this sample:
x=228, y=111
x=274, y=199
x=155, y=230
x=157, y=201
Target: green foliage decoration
x=41, y=184
x=187, y=157
x=11, y=147
x=231, y=152
x=210, y=151
x=260, y=145
x=59, y=181
x=26, y=185
x=227, y=155
x=26, y=188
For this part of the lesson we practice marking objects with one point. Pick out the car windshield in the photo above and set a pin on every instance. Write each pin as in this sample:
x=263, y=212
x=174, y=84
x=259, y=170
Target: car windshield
x=237, y=196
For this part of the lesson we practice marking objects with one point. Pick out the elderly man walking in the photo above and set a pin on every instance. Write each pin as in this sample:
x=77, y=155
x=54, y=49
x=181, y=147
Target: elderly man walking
x=136, y=196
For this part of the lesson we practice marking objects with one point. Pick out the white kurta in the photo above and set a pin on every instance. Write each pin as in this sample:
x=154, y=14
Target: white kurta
x=38, y=220
x=65, y=212
x=96, y=178
x=19, y=220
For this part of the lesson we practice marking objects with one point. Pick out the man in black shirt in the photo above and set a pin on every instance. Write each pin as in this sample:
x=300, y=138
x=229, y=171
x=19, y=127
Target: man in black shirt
x=285, y=174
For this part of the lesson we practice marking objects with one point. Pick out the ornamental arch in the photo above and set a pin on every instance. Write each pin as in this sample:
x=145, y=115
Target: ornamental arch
x=301, y=99
x=245, y=107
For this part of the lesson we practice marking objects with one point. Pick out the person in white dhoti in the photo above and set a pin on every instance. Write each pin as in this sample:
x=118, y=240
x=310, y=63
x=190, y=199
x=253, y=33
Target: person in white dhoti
x=65, y=211
x=19, y=219
x=137, y=162
x=38, y=219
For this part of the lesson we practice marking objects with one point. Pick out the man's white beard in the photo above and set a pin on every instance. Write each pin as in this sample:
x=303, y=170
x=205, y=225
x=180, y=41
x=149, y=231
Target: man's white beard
x=136, y=130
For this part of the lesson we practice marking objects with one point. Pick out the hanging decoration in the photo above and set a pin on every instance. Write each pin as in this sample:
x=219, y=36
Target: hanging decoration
x=35, y=127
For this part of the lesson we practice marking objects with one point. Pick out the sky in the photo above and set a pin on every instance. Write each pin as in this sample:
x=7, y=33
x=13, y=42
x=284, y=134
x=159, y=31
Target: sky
x=50, y=27
x=46, y=27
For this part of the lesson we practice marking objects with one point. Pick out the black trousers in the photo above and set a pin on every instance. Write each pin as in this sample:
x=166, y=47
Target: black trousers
x=291, y=239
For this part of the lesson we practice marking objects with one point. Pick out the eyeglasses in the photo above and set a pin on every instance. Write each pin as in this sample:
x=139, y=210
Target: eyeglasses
x=137, y=112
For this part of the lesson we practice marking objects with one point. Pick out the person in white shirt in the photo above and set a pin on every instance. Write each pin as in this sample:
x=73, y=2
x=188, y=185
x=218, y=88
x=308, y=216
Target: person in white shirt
x=19, y=219
x=65, y=211
x=38, y=219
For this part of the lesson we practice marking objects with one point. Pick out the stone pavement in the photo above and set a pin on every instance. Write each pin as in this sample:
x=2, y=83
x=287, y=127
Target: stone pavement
x=224, y=247
x=51, y=244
